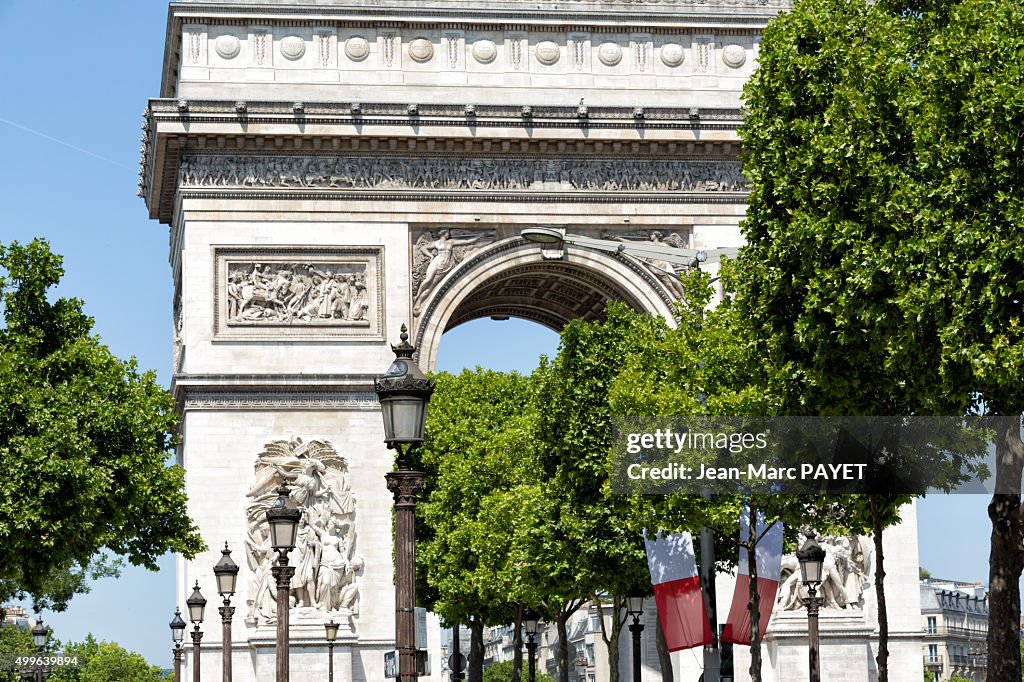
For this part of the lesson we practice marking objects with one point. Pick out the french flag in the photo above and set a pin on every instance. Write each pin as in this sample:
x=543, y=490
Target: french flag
x=769, y=565
x=673, y=565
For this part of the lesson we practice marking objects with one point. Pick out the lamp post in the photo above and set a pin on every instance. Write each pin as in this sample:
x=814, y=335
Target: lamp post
x=39, y=637
x=812, y=559
x=196, y=608
x=557, y=238
x=283, y=518
x=530, y=623
x=404, y=392
x=457, y=662
x=177, y=634
x=635, y=608
x=331, y=633
x=226, y=573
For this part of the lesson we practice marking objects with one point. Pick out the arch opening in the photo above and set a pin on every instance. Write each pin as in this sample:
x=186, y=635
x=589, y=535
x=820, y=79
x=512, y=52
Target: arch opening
x=512, y=279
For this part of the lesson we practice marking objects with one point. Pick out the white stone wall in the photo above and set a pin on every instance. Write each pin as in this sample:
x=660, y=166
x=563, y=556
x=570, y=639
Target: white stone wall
x=239, y=393
x=610, y=63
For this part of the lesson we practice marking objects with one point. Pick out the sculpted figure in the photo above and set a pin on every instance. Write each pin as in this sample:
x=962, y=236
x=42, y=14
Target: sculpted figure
x=843, y=575
x=335, y=570
x=360, y=301
x=666, y=272
x=439, y=257
x=307, y=551
x=324, y=555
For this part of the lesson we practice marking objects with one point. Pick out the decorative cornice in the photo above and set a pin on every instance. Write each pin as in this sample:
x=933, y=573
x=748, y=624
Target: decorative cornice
x=578, y=14
x=172, y=130
x=273, y=391
x=456, y=114
x=250, y=380
x=729, y=198
x=284, y=400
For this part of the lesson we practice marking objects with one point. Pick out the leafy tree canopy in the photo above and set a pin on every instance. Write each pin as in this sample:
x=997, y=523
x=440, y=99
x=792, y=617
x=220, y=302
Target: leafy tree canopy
x=83, y=444
x=483, y=518
x=884, y=268
x=106, y=662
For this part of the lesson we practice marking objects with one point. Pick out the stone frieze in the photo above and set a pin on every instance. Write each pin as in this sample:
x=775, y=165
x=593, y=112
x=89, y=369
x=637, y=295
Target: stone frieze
x=381, y=172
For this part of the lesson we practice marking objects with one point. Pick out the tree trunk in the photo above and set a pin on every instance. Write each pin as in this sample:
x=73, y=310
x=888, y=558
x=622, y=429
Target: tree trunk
x=563, y=646
x=664, y=657
x=754, y=605
x=611, y=639
x=883, y=614
x=517, y=646
x=1006, y=557
x=476, y=650
x=613, y=643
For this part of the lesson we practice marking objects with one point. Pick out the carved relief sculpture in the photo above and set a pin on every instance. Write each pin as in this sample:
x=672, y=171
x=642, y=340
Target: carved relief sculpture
x=326, y=564
x=667, y=273
x=380, y=172
x=296, y=293
x=844, y=575
x=435, y=255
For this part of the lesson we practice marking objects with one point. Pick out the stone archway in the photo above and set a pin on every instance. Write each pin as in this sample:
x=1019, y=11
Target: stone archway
x=513, y=278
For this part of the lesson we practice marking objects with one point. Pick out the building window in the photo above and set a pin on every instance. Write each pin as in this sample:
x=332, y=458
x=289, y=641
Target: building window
x=932, y=627
x=590, y=654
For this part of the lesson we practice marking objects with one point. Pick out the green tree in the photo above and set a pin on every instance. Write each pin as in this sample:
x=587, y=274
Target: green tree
x=848, y=278
x=14, y=642
x=105, y=662
x=483, y=514
x=965, y=196
x=83, y=444
x=602, y=529
x=504, y=672
x=708, y=364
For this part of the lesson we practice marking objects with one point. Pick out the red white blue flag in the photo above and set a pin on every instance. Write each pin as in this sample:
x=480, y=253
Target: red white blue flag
x=769, y=565
x=684, y=620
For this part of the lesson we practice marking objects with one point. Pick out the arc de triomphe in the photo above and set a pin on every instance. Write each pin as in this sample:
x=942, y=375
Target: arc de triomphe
x=332, y=169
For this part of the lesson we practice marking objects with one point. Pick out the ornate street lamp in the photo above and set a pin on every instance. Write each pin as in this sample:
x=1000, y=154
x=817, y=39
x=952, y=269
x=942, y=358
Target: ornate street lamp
x=331, y=633
x=196, y=608
x=404, y=392
x=283, y=518
x=177, y=635
x=530, y=624
x=812, y=560
x=635, y=608
x=39, y=636
x=226, y=573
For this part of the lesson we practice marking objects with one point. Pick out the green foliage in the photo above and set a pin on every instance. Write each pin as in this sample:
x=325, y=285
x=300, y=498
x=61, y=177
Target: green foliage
x=484, y=517
x=106, y=662
x=502, y=672
x=83, y=444
x=884, y=268
x=14, y=642
x=602, y=530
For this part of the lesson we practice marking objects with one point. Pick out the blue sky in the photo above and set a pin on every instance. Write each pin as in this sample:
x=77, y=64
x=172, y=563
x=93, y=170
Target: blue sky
x=79, y=75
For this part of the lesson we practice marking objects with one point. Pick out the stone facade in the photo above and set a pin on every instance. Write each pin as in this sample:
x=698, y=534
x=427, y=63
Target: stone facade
x=331, y=169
